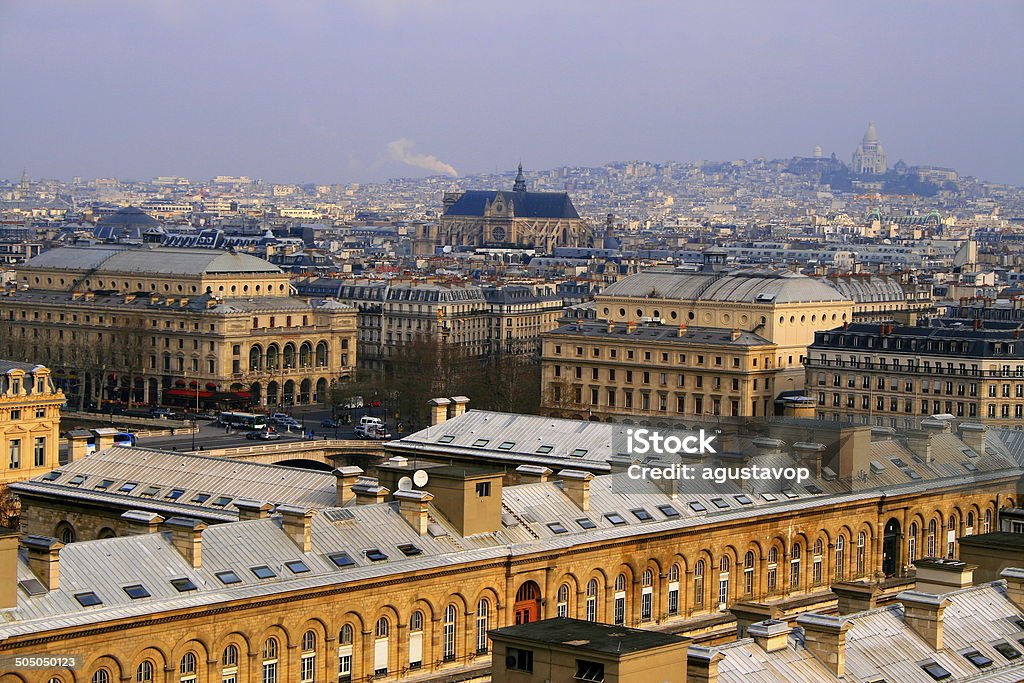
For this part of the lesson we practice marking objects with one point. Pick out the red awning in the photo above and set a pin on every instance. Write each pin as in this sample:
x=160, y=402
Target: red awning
x=190, y=393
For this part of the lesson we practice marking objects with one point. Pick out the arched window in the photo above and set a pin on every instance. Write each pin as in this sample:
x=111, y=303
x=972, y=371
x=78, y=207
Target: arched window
x=619, y=603
x=307, y=659
x=748, y=573
x=483, y=621
x=816, y=561
x=416, y=640
x=229, y=665
x=951, y=536
x=305, y=355
x=187, y=667
x=144, y=674
x=986, y=527
x=382, y=629
x=698, y=583
x=930, y=540
x=322, y=360
x=270, y=661
x=795, y=566
x=381, y=647
x=592, y=600
x=673, y=590
x=724, y=566
x=345, y=652
x=449, y=633
x=862, y=540
x=840, y=557
x=912, y=543
x=773, y=569
x=647, y=596
x=66, y=533
x=969, y=526
x=101, y=676
x=255, y=358
x=563, y=600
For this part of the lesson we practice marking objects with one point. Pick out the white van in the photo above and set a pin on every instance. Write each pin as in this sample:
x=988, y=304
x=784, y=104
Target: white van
x=367, y=420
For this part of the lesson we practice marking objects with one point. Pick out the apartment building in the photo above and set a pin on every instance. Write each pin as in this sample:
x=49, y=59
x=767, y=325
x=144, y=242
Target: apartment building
x=892, y=375
x=29, y=421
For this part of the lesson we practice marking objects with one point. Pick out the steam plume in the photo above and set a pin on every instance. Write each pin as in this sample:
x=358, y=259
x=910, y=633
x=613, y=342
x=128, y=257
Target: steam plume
x=401, y=150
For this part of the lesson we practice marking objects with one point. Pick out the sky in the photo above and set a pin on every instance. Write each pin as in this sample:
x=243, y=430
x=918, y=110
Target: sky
x=343, y=92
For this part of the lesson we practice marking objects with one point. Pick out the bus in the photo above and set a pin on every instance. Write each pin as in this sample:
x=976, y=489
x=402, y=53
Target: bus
x=120, y=439
x=249, y=421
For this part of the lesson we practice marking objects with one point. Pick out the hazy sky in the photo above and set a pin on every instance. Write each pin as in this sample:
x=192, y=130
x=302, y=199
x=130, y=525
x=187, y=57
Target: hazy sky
x=342, y=91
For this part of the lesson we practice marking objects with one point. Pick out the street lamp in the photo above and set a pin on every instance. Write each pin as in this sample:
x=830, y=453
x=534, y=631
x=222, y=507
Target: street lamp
x=195, y=418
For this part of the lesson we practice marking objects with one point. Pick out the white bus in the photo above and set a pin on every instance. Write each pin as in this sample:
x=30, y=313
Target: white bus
x=243, y=420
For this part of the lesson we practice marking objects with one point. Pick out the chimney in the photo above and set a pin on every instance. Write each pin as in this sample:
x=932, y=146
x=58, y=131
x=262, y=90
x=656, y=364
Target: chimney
x=973, y=436
x=1014, y=577
x=187, y=538
x=412, y=505
x=128, y=298
x=922, y=613
x=8, y=568
x=576, y=485
x=458, y=406
x=936, y=426
x=748, y=613
x=681, y=332
x=937, y=576
x=468, y=497
x=344, y=478
x=702, y=664
x=611, y=327
x=104, y=437
x=532, y=474
x=825, y=637
x=631, y=327
x=771, y=635
x=141, y=522
x=734, y=335
x=154, y=298
x=919, y=441
x=856, y=596
x=809, y=456
x=438, y=410
x=78, y=444
x=369, y=491
x=44, y=559
x=297, y=523
x=249, y=509
x=579, y=325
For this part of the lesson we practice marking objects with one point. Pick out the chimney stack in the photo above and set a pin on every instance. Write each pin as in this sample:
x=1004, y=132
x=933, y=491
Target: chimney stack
x=681, y=332
x=855, y=596
x=8, y=569
x=142, y=522
x=771, y=635
x=532, y=474
x=631, y=327
x=937, y=576
x=458, y=405
x=1014, y=577
x=438, y=410
x=44, y=560
x=919, y=441
x=922, y=612
x=576, y=485
x=412, y=505
x=368, y=491
x=973, y=436
x=297, y=522
x=252, y=509
x=809, y=456
x=825, y=637
x=702, y=664
x=611, y=327
x=735, y=334
x=78, y=444
x=187, y=538
x=344, y=479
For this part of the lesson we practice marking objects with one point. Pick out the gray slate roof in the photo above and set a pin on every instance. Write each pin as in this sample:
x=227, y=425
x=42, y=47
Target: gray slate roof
x=744, y=286
x=159, y=260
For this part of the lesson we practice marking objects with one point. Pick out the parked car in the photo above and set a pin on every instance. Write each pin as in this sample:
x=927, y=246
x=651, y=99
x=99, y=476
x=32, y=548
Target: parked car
x=376, y=432
x=279, y=416
x=330, y=424
x=263, y=435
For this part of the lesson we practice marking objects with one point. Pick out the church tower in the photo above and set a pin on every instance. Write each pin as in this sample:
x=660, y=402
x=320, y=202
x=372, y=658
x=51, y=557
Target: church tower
x=520, y=184
x=869, y=159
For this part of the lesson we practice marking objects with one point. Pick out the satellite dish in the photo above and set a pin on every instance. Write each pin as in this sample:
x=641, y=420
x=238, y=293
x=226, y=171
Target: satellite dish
x=405, y=484
x=420, y=478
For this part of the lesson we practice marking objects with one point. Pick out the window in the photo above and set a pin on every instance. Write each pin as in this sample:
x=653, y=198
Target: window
x=697, y=506
x=270, y=661
x=88, y=599
x=935, y=670
x=840, y=557
x=977, y=659
x=307, y=661
x=668, y=511
x=748, y=573
x=144, y=674
x=483, y=618
x=698, y=583
x=175, y=494
x=589, y=671
x=101, y=676
x=297, y=566
x=563, y=601
x=263, y=572
x=228, y=577
x=39, y=453
x=506, y=445
x=410, y=550
x=592, y=600
x=1006, y=650
x=673, y=590
x=483, y=489
x=187, y=667
x=557, y=527
x=641, y=514
x=341, y=559
x=137, y=591
x=615, y=518
x=647, y=596
x=518, y=659
x=578, y=452
x=375, y=555
x=183, y=585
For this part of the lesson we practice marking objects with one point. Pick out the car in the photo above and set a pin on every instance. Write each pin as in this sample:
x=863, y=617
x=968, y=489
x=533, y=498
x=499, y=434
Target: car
x=263, y=435
x=161, y=412
x=279, y=416
x=376, y=432
x=330, y=424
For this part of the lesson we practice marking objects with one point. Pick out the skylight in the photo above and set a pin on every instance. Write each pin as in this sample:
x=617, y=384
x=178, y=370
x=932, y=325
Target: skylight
x=128, y=487
x=558, y=528
x=770, y=497
x=936, y=671
x=1006, y=650
x=263, y=572
x=221, y=501
x=720, y=503
x=447, y=438
x=480, y=443
x=183, y=584
x=544, y=450
x=743, y=500
x=33, y=587
x=668, y=511
x=149, y=491
x=375, y=555
x=586, y=523
x=642, y=515
x=76, y=480
x=137, y=591
x=50, y=476
x=615, y=518
x=697, y=506
x=578, y=452
x=201, y=498
x=228, y=577
x=341, y=559
x=296, y=566
x=174, y=494
x=88, y=599
x=977, y=659
x=409, y=550
x=506, y=445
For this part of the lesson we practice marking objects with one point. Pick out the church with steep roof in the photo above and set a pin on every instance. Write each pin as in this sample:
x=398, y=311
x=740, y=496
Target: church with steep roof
x=506, y=219
x=869, y=158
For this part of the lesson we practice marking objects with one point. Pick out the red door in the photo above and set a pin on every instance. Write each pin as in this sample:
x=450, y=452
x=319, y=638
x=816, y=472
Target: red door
x=527, y=605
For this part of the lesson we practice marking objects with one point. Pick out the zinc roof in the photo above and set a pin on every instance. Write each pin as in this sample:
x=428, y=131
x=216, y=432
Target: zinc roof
x=743, y=286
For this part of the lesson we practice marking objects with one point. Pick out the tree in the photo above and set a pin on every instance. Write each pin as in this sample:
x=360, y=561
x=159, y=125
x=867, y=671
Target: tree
x=10, y=508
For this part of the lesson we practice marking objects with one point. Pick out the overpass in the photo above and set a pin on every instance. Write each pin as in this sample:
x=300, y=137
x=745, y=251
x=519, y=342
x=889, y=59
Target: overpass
x=325, y=454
